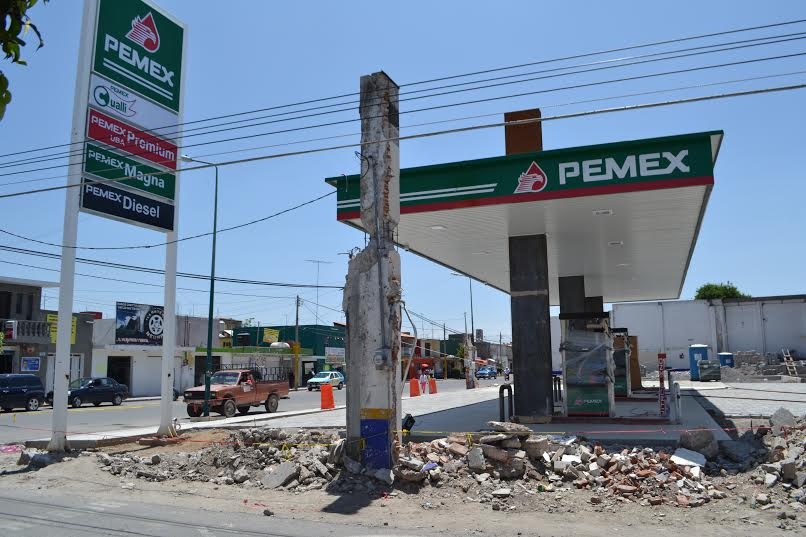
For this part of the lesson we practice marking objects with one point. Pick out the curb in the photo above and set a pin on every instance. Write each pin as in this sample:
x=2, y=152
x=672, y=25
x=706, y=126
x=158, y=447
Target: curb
x=103, y=441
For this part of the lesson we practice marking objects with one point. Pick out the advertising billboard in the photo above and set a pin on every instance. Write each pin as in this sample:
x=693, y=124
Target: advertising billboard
x=138, y=324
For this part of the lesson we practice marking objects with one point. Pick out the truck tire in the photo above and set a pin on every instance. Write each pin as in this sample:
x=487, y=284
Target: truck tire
x=272, y=403
x=194, y=412
x=229, y=409
x=243, y=410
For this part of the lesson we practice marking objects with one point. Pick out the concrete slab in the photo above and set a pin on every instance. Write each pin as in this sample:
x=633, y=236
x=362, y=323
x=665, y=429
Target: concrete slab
x=473, y=418
x=752, y=400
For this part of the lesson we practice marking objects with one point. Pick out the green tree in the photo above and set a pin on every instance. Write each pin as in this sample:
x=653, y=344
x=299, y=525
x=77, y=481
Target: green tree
x=15, y=23
x=711, y=291
x=460, y=352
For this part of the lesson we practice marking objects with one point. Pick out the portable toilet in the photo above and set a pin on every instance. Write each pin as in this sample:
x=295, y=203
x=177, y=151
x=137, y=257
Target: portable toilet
x=726, y=359
x=695, y=354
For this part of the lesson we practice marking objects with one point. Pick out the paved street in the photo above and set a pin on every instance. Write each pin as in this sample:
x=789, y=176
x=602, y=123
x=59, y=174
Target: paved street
x=19, y=426
x=27, y=514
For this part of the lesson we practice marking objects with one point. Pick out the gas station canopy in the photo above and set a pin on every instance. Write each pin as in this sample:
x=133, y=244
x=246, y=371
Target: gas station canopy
x=624, y=215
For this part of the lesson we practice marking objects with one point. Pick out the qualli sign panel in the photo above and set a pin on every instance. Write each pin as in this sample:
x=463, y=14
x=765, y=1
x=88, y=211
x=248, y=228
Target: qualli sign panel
x=141, y=48
x=119, y=101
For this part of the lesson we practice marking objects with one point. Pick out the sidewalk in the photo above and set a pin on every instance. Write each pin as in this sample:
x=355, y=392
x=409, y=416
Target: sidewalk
x=313, y=417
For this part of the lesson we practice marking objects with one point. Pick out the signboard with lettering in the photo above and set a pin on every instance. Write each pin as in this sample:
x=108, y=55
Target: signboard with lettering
x=118, y=133
x=132, y=119
x=140, y=47
x=107, y=164
x=30, y=364
x=138, y=324
x=53, y=320
x=121, y=102
x=118, y=204
x=271, y=335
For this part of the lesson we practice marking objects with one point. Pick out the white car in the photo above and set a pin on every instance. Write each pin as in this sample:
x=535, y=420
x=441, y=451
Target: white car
x=333, y=377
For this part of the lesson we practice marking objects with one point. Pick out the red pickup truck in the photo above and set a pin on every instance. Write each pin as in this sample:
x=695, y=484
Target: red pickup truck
x=236, y=390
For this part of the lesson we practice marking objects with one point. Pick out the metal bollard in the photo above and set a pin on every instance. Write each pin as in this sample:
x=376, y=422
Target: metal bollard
x=502, y=414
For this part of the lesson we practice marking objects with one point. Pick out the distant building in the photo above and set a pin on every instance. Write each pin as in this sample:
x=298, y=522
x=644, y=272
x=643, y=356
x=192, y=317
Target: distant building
x=29, y=344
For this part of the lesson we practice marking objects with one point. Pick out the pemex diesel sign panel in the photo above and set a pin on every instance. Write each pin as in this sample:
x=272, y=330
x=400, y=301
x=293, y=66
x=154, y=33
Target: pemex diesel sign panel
x=141, y=48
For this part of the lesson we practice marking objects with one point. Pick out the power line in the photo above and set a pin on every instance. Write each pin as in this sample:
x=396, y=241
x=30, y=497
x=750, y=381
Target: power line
x=475, y=73
x=626, y=108
x=650, y=58
x=150, y=270
x=453, y=120
x=191, y=237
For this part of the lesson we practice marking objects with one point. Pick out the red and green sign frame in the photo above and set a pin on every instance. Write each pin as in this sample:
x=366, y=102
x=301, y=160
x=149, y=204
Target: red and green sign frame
x=631, y=166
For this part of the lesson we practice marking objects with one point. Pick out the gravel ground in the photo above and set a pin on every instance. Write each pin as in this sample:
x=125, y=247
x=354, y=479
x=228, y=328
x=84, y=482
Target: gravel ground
x=428, y=509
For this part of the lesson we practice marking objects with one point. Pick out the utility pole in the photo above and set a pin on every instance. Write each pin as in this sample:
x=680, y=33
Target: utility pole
x=318, y=264
x=296, y=348
x=372, y=293
x=443, y=349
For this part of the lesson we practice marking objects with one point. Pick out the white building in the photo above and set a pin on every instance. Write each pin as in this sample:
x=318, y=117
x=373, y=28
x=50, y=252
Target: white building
x=139, y=366
x=764, y=324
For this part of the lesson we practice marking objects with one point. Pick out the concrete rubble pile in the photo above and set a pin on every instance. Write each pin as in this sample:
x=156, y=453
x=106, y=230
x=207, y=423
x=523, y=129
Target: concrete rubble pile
x=783, y=471
x=512, y=460
x=264, y=458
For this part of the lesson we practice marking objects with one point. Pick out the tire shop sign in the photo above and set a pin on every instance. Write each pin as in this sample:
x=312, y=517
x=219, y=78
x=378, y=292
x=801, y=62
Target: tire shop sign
x=138, y=324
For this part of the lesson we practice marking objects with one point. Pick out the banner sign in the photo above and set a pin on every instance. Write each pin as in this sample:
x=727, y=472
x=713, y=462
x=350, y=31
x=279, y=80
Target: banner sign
x=134, y=141
x=30, y=364
x=657, y=163
x=138, y=46
x=53, y=320
x=138, y=324
x=106, y=164
x=334, y=355
x=126, y=206
x=271, y=335
x=123, y=103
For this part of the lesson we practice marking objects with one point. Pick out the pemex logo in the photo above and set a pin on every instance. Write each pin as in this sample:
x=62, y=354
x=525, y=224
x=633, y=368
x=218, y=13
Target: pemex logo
x=533, y=180
x=144, y=33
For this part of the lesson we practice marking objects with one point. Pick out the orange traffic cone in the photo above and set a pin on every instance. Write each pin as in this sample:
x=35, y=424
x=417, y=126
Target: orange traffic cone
x=432, y=385
x=414, y=388
x=327, y=397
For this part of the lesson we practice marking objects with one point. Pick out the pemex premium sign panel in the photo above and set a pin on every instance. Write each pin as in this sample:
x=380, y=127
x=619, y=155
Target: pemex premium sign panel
x=141, y=48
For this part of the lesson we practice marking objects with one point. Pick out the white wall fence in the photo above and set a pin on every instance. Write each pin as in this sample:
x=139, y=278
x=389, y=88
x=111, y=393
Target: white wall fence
x=765, y=325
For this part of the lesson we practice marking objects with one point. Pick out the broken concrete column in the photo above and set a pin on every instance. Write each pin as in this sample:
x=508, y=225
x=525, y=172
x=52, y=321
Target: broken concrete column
x=372, y=292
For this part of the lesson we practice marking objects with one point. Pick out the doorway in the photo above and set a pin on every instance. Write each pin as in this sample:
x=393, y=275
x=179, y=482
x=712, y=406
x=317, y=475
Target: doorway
x=6, y=359
x=198, y=369
x=120, y=369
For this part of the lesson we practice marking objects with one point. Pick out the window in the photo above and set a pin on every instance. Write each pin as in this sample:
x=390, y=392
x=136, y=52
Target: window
x=18, y=309
x=427, y=349
x=19, y=382
x=29, y=314
x=107, y=382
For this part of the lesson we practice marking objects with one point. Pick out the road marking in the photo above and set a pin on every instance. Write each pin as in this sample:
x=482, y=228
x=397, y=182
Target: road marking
x=102, y=506
x=16, y=526
x=64, y=514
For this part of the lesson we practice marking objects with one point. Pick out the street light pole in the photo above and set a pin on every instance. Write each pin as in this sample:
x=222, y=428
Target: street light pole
x=472, y=322
x=208, y=362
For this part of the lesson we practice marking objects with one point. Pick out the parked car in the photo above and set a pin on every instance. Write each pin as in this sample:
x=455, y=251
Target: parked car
x=95, y=390
x=335, y=378
x=486, y=372
x=21, y=391
x=237, y=390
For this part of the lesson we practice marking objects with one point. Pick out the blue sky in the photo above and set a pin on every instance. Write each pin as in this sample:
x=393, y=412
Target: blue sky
x=261, y=54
